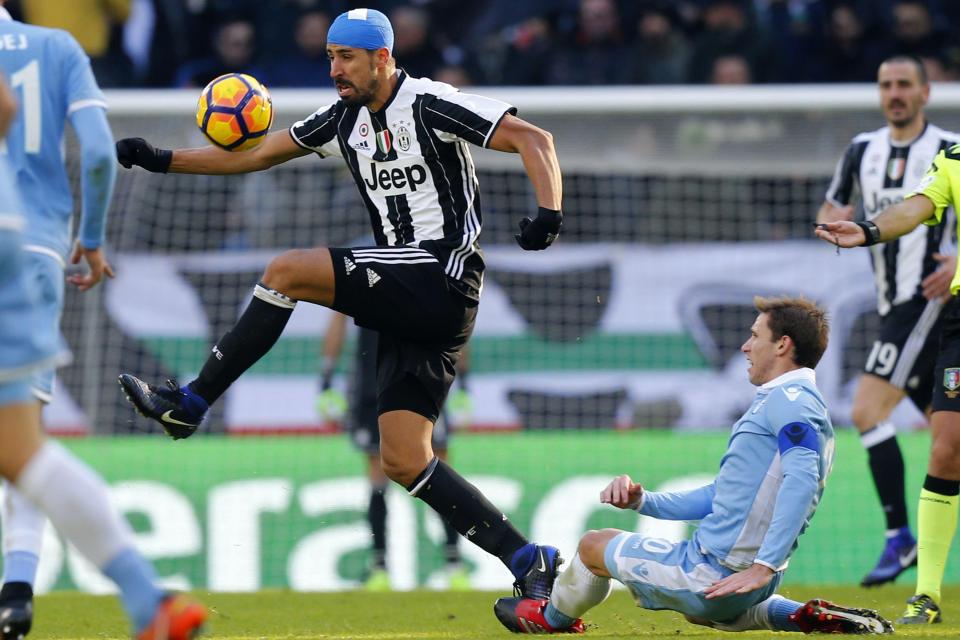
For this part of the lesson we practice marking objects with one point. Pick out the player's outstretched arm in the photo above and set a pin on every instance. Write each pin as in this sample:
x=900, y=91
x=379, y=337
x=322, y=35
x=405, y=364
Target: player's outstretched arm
x=895, y=221
x=276, y=148
x=539, y=156
x=98, y=174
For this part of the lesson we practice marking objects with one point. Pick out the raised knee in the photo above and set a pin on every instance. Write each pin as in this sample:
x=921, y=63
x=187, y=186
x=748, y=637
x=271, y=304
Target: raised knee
x=593, y=545
x=399, y=470
x=281, y=272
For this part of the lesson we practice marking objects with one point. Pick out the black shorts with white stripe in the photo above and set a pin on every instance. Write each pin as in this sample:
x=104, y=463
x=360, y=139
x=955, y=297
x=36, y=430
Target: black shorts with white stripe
x=906, y=351
x=423, y=322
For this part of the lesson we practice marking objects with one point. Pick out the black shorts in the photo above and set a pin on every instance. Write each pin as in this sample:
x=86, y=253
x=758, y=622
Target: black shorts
x=946, y=380
x=906, y=352
x=422, y=319
x=362, y=418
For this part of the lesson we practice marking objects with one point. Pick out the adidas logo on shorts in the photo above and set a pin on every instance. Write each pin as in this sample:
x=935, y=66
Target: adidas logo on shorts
x=348, y=264
x=372, y=277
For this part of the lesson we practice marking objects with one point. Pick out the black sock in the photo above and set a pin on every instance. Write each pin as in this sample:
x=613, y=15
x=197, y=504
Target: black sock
x=886, y=466
x=377, y=515
x=15, y=593
x=254, y=335
x=941, y=486
x=470, y=513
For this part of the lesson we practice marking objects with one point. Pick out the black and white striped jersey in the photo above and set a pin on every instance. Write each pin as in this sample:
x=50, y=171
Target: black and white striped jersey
x=412, y=164
x=883, y=172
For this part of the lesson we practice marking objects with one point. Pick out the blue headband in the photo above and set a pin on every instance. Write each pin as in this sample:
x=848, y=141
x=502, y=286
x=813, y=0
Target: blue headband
x=361, y=29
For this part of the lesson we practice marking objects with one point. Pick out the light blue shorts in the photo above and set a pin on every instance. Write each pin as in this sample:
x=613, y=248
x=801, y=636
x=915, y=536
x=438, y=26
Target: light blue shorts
x=672, y=575
x=25, y=345
x=45, y=277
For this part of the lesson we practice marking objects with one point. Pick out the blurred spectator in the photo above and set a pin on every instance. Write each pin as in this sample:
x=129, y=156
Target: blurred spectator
x=453, y=74
x=848, y=55
x=662, y=51
x=527, y=57
x=727, y=31
x=308, y=65
x=234, y=49
x=731, y=69
x=277, y=21
x=413, y=49
x=97, y=25
x=938, y=70
x=913, y=30
x=598, y=53
x=795, y=27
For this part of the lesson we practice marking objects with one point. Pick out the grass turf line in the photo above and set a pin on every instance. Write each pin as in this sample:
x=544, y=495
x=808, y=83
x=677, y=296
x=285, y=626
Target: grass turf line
x=427, y=615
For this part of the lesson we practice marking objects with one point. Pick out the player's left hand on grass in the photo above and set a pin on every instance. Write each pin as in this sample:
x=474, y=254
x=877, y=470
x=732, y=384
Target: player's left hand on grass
x=97, y=264
x=623, y=493
x=755, y=577
x=843, y=233
x=937, y=284
x=539, y=233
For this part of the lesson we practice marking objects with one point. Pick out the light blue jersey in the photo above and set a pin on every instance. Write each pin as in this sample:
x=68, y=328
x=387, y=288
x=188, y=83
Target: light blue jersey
x=768, y=487
x=23, y=350
x=51, y=77
x=770, y=481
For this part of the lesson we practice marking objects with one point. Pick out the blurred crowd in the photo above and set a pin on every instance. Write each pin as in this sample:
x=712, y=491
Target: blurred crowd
x=185, y=43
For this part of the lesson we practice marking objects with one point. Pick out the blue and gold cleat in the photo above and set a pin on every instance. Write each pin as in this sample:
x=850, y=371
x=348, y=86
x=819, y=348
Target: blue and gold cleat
x=177, y=412
x=537, y=581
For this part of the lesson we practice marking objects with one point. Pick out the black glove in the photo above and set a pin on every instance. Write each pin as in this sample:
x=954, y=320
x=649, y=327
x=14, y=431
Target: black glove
x=539, y=233
x=137, y=151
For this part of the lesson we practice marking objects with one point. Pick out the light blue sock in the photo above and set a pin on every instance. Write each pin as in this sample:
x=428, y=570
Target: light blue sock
x=138, y=590
x=20, y=566
x=779, y=614
x=556, y=619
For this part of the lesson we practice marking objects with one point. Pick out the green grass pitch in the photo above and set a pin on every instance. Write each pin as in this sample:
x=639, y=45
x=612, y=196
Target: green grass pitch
x=426, y=615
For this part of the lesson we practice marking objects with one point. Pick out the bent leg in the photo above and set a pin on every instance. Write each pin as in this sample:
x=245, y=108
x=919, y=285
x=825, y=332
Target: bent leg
x=77, y=502
x=408, y=460
x=582, y=585
x=302, y=274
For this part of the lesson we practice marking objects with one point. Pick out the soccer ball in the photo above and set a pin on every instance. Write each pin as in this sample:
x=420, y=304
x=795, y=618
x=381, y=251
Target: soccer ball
x=235, y=112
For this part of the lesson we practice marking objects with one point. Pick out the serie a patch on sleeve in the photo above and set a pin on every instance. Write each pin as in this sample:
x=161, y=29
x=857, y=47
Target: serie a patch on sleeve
x=798, y=434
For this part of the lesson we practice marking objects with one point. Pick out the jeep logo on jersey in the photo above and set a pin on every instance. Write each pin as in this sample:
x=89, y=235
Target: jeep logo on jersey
x=395, y=178
x=879, y=203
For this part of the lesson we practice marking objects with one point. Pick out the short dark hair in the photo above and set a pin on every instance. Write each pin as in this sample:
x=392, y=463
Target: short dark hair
x=909, y=58
x=802, y=320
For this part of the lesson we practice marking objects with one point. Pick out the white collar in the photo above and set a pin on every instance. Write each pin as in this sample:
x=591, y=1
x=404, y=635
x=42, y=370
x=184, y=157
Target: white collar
x=4, y=14
x=803, y=373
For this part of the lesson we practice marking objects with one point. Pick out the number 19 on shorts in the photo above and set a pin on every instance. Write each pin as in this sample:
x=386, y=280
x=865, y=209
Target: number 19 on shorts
x=882, y=359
